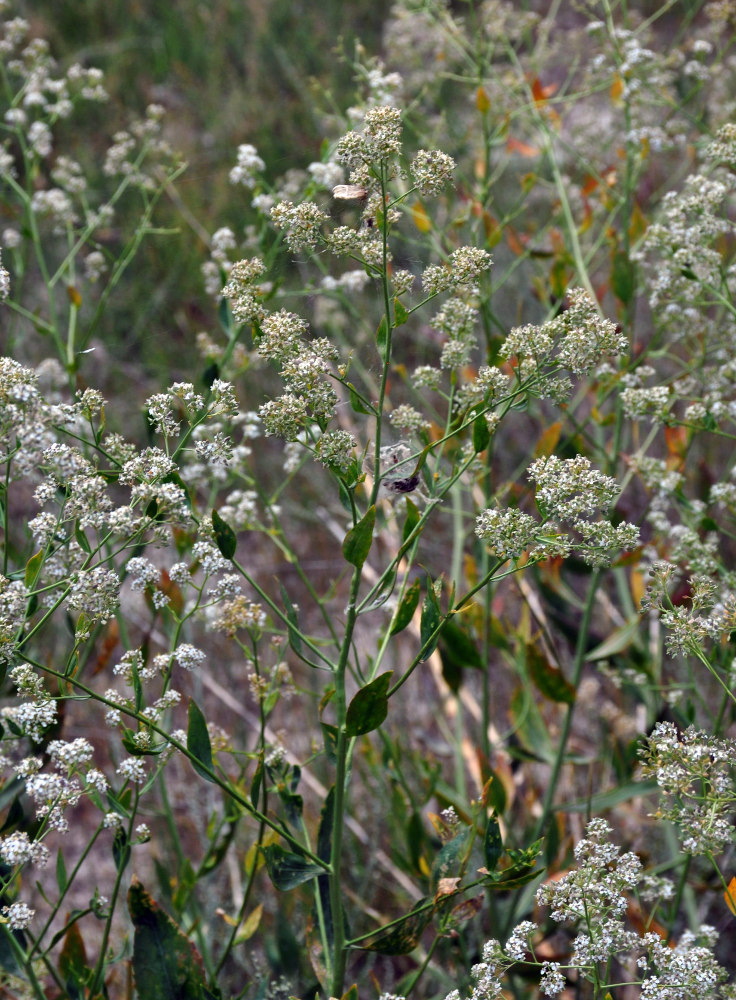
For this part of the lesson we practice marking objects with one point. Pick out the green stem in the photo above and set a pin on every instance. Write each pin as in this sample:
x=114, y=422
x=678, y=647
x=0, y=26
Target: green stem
x=339, y=950
x=577, y=672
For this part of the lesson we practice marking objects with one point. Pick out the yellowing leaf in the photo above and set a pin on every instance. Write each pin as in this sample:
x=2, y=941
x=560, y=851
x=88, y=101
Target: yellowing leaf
x=482, y=102
x=492, y=229
x=74, y=297
x=548, y=441
x=617, y=89
x=638, y=223
x=420, y=218
x=638, y=586
x=250, y=926
x=254, y=854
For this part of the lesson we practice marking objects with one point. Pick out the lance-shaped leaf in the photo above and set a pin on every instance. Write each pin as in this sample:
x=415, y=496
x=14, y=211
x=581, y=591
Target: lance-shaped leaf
x=492, y=843
x=224, y=536
x=369, y=707
x=198, y=742
x=411, y=520
x=550, y=681
x=457, y=651
x=382, y=338
x=165, y=964
x=324, y=851
x=481, y=433
x=429, y=624
x=359, y=539
x=405, y=611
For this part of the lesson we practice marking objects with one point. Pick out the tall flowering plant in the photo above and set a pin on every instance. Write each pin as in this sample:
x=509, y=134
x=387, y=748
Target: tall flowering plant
x=160, y=581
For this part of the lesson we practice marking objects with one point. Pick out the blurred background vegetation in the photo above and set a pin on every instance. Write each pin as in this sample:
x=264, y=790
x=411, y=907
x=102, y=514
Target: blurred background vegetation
x=227, y=72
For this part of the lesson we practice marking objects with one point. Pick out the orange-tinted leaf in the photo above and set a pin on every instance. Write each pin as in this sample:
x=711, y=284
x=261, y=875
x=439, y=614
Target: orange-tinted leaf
x=587, y=218
x=638, y=586
x=589, y=185
x=540, y=93
x=74, y=297
x=617, y=89
x=676, y=439
x=522, y=148
x=482, y=101
x=548, y=441
x=638, y=224
x=513, y=241
x=73, y=957
x=492, y=230
x=730, y=895
x=112, y=636
x=172, y=591
x=420, y=218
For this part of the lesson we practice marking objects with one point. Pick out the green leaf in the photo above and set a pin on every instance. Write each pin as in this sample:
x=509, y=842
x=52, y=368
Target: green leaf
x=530, y=727
x=510, y=879
x=81, y=539
x=292, y=622
x=61, y=879
x=32, y=568
x=495, y=794
x=359, y=539
x=9, y=951
x=73, y=960
x=288, y=870
x=456, y=645
x=492, y=843
x=622, y=277
x=120, y=849
x=549, y=681
x=405, y=935
x=165, y=964
x=293, y=804
x=324, y=851
x=369, y=707
x=429, y=625
x=405, y=611
x=400, y=313
x=481, y=433
x=329, y=736
x=225, y=538
x=255, y=785
x=356, y=402
x=211, y=372
x=411, y=521
x=198, y=742
x=609, y=800
x=618, y=641
x=447, y=862
x=382, y=338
